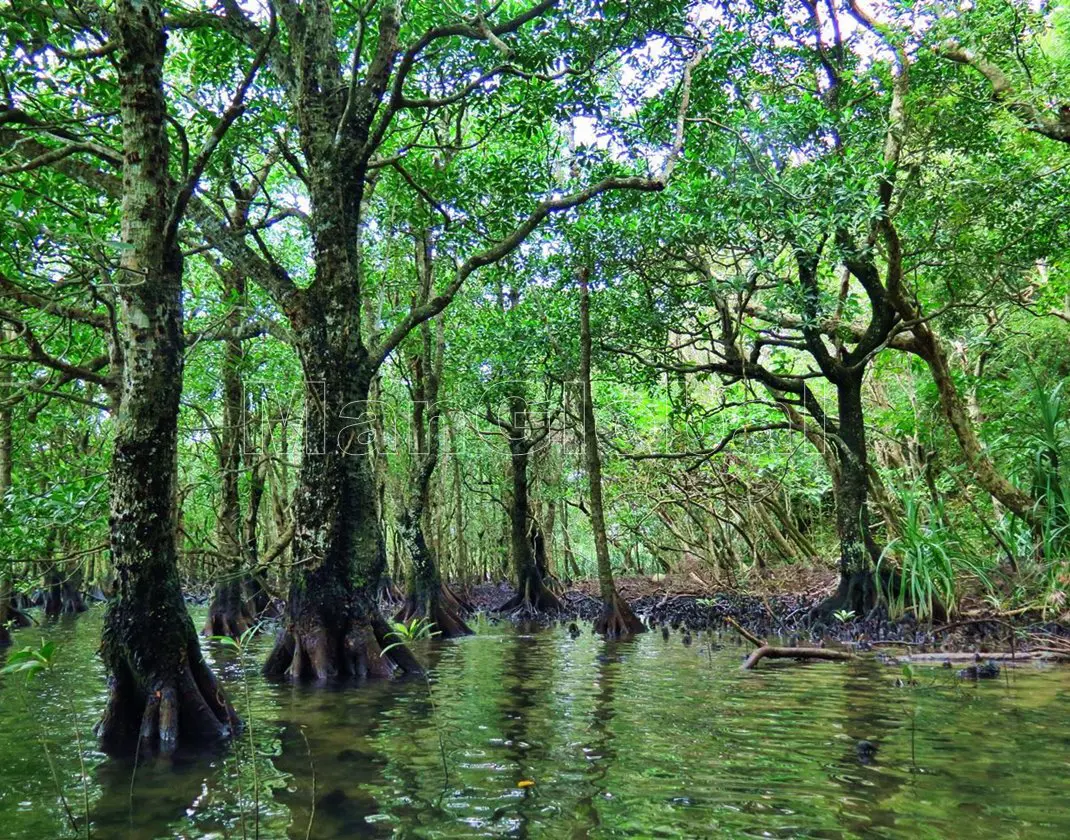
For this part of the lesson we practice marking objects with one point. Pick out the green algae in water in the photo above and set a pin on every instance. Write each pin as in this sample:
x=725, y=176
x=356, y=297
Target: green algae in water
x=641, y=739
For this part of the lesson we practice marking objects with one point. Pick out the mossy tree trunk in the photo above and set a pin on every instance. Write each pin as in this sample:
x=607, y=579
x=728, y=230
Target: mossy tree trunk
x=162, y=694
x=616, y=621
x=427, y=597
x=333, y=628
x=228, y=613
x=532, y=594
x=857, y=590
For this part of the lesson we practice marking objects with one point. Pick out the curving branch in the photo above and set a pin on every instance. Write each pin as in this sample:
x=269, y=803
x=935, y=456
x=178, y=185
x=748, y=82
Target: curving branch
x=1005, y=93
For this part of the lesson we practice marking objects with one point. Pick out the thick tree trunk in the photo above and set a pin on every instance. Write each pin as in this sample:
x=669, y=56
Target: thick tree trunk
x=427, y=596
x=857, y=590
x=333, y=628
x=616, y=621
x=162, y=695
x=228, y=614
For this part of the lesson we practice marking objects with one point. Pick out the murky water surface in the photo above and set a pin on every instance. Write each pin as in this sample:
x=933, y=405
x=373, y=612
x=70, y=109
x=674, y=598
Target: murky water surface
x=646, y=739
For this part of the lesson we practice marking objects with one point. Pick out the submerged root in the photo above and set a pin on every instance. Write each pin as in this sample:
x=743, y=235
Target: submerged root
x=227, y=622
x=617, y=621
x=442, y=610
x=310, y=651
x=64, y=599
x=186, y=709
x=769, y=652
x=11, y=615
x=229, y=613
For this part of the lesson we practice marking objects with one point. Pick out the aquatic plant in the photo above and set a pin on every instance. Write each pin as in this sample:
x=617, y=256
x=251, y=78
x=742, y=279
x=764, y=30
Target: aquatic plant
x=414, y=630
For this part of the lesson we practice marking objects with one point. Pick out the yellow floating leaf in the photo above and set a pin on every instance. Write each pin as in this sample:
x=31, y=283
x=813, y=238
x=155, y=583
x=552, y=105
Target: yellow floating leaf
x=525, y=783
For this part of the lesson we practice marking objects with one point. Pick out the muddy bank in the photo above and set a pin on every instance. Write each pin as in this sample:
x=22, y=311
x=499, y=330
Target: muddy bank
x=787, y=617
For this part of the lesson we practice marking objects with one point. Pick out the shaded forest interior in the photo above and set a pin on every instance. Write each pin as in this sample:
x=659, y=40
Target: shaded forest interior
x=336, y=315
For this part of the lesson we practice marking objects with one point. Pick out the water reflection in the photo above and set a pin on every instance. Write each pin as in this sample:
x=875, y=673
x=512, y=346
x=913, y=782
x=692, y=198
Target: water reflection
x=647, y=738
x=599, y=750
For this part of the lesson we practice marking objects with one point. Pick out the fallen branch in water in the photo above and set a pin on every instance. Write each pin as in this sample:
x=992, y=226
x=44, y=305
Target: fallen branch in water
x=768, y=652
x=746, y=634
x=1031, y=655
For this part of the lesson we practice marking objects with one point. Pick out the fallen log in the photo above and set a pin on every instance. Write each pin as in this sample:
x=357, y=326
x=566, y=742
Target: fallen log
x=1032, y=655
x=746, y=634
x=769, y=652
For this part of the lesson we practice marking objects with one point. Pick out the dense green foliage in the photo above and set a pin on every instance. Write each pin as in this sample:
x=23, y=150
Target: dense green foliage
x=881, y=192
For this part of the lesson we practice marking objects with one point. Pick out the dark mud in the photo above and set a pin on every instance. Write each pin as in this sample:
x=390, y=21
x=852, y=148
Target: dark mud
x=780, y=618
x=788, y=618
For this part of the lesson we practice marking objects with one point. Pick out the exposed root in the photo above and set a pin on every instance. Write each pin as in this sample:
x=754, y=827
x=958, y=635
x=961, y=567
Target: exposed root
x=862, y=594
x=231, y=623
x=617, y=621
x=183, y=708
x=459, y=599
x=310, y=651
x=63, y=598
x=388, y=593
x=228, y=614
x=533, y=598
x=11, y=614
x=441, y=608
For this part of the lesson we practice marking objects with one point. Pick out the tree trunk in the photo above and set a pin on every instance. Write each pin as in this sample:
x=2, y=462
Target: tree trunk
x=464, y=572
x=427, y=596
x=616, y=620
x=857, y=590
x=332, y=627
x=228, y=614
x=532, y=594
x=63, y=592
x=6, y=453
x=257, y=597
x=162, y=695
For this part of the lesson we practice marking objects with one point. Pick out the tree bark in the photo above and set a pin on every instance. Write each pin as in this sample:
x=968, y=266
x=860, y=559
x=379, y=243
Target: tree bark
x=616, y=621
x=63, y=592
x=427, y=597
x=228, y=613
x=332, y=627
x=857, y=590
x=162, y=695
x=7, y=445
x=532, y=594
